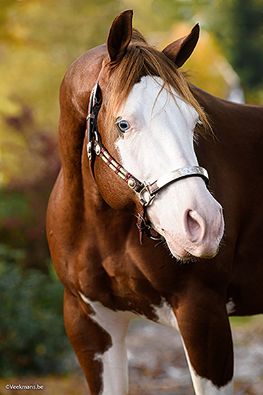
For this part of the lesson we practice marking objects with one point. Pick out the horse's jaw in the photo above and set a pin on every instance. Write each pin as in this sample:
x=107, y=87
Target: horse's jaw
x=189, y=253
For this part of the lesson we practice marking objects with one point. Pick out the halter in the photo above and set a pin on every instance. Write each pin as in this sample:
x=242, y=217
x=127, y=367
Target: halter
x=145, y=191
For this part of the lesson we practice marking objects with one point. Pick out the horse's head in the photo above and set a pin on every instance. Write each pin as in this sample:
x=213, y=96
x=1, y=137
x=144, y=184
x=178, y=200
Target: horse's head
x=147, y=122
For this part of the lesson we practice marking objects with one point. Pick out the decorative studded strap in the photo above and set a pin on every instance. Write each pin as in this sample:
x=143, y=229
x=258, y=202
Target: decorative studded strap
x=95, y=146
x=118, y=169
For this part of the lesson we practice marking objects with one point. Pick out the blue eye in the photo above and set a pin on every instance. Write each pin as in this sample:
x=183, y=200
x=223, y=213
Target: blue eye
x=122, y=124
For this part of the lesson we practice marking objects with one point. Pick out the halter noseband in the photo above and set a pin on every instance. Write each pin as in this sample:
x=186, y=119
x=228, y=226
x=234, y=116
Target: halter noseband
x=145, y=191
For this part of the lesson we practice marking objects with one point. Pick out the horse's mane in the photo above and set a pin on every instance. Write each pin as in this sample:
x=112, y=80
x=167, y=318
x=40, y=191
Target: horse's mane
x=142, y=60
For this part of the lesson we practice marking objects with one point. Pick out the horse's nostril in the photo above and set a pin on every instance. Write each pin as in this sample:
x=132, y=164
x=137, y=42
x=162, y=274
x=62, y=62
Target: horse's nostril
x=194, y=226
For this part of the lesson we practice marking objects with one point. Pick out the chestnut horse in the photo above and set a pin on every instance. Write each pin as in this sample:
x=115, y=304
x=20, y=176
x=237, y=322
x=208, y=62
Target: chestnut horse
x=131, y=129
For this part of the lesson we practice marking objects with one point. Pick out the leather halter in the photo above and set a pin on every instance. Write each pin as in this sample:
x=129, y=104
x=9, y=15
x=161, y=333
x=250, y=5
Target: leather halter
x=145, y=191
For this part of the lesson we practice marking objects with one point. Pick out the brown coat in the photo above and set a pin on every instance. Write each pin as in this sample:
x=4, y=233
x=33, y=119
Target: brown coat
x=95, y=249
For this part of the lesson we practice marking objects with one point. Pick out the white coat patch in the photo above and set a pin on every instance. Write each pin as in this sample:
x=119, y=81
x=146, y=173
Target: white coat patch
x=114, y=360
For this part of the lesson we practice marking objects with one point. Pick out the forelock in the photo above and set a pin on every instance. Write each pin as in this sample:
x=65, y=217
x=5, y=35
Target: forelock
x=140, y=60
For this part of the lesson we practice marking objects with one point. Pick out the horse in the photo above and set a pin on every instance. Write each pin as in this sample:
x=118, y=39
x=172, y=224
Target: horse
x=157, y=210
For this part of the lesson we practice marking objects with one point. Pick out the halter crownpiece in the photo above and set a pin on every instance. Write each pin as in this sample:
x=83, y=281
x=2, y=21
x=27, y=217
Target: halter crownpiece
x=145, y=191
x=91, y=131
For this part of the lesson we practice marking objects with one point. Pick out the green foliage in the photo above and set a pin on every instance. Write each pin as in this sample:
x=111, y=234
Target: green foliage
x=247, y=17
x=22, y=219
x=12, y=205
x=39, y=39
x=31, y=327
x=238, y=25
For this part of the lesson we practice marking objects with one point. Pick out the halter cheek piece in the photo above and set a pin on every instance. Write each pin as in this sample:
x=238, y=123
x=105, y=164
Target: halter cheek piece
x=145, y=191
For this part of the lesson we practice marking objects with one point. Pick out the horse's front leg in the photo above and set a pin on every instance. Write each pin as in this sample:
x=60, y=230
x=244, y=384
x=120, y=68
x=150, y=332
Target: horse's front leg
x=97, y=335
x=206, y=334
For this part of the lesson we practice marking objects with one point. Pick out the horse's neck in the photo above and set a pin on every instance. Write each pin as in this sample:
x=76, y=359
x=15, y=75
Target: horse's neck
x=74, y=98
x=229, y=118
x=233, y=157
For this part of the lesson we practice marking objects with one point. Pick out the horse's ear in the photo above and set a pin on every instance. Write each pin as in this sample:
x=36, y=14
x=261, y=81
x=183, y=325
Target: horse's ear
x=180, y=50
x=120, y=35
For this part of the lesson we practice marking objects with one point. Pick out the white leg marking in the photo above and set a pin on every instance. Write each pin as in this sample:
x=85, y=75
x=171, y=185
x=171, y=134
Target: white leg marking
x=201, y=385
x=114, y=360
x=204, y=386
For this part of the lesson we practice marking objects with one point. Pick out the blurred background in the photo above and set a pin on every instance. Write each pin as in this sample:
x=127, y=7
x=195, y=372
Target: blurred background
x=38, y=41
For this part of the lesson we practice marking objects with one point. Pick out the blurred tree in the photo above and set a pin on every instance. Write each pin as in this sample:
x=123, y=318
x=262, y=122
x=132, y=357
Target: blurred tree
x=247, y=43
x=23, y=201
x=238, y=26
x=157, y=16
x=38, y=41
x=32, y=336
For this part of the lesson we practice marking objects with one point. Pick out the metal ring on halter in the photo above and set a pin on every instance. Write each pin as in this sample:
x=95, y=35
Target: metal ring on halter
x=145, y=195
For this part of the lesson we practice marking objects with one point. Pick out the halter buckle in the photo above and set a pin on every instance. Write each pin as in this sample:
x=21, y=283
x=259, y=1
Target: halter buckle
x=145, y=195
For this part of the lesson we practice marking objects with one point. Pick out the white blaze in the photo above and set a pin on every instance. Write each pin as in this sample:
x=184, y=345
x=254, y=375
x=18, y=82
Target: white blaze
x=161, y=140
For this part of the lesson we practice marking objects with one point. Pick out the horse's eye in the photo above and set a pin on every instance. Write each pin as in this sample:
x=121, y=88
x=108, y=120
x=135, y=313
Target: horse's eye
x=123, y=125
